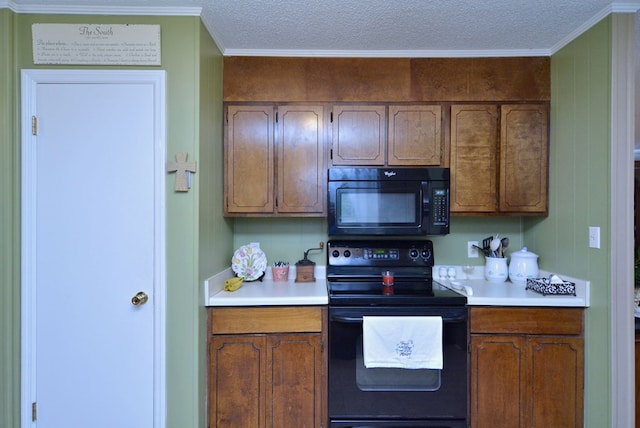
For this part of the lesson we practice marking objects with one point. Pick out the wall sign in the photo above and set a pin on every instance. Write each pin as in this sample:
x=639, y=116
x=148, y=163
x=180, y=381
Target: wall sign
x=105, y=44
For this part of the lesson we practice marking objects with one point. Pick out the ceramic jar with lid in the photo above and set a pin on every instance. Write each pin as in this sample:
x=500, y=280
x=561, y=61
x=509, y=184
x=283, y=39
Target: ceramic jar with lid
x=524, y=264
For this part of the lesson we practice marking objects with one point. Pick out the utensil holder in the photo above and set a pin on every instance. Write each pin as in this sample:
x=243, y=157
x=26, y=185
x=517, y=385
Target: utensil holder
x=280, y=273
x=495, y=269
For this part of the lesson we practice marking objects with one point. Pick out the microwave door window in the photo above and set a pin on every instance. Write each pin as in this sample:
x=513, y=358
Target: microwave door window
x=357, y=207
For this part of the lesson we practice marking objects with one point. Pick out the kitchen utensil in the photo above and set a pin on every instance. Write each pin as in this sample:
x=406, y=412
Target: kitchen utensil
x=486, y=243
x=485, y=251
x=505, y=243
x=495, y=245
x=524, y=264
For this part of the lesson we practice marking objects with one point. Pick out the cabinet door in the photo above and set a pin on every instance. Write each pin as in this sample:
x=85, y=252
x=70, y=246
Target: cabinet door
x=498, y=367
x=359, y=133
x=473, y=158
x=236, y=385
x=249, y=159
x=524, y=146
x=301, y=159
x=414, y=135
x=557, y=365
x=296, y=375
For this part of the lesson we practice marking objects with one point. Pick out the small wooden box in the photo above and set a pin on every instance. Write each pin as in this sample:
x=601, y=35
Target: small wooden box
x=305, y=273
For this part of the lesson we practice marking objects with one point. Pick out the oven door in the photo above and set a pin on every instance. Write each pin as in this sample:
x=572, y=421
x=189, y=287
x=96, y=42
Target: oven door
x=381, y=397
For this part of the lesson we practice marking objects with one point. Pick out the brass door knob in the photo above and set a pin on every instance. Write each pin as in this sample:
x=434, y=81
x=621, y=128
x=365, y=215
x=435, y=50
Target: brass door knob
x=139, y=299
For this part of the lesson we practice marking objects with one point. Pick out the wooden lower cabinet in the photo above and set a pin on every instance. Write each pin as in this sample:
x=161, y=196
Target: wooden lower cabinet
x=527, y=369
x=269, y=378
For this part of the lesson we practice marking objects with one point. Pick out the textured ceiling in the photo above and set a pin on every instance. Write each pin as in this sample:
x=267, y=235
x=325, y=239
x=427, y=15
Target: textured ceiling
x=370, y=27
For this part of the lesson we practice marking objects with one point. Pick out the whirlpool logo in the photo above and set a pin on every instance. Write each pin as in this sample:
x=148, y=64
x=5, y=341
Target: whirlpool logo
x=390, y=173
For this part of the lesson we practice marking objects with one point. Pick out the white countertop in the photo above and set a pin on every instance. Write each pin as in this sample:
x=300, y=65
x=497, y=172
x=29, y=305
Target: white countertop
x=268, y=292
x=484, y=293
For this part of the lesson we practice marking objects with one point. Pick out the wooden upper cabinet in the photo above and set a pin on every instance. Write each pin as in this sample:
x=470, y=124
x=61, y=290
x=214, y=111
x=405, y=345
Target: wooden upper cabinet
x=415, y=135
x=524, y=146
x=473, y=158
x=359, y=133
x=411, y=136
x=505, y=173
x=249, y=159
x=301, y=159
x=275, y=162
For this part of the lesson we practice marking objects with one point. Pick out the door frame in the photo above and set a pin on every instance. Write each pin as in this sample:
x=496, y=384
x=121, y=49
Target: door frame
x=30, y=79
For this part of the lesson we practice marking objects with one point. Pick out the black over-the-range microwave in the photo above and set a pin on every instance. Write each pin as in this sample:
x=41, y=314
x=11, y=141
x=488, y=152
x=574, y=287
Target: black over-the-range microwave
x=388, y=201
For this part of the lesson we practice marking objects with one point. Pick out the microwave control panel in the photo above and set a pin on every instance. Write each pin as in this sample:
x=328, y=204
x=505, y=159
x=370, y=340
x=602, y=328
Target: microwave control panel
x=440, y=207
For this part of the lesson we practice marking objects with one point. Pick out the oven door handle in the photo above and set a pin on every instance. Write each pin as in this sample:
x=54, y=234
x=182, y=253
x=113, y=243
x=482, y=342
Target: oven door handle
x=346, y=320
x=358, y=319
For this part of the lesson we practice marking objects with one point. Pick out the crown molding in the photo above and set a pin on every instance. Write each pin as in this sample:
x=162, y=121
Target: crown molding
x=387, y=53
x=615, y=7
x=101, y=10
x=627, y=7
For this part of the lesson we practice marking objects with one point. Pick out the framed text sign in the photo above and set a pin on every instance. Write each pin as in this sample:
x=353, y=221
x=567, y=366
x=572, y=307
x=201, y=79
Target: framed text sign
x=91, y=44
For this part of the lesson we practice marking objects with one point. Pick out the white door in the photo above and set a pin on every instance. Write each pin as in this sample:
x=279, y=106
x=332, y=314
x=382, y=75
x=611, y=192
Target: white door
x=93, y=238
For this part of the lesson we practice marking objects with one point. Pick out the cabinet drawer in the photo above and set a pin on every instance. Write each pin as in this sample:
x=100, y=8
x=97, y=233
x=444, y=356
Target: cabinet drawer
x=562, y=321
x=239, y=320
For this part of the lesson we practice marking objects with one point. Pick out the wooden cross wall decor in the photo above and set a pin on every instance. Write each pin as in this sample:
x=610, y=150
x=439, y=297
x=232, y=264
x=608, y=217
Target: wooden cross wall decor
x=183, y=170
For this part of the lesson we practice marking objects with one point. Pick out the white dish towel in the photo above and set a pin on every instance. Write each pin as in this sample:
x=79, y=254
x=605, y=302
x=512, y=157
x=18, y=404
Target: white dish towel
x=410, y=342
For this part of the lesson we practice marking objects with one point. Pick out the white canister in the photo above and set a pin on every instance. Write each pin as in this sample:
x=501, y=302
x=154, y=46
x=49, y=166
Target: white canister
x=495, y=269
x=524, y=264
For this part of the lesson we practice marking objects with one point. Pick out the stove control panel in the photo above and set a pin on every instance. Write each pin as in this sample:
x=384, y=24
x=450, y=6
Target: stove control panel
x=380, y=253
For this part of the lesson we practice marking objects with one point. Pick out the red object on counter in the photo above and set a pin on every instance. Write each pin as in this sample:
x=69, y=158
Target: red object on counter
x=387, y=277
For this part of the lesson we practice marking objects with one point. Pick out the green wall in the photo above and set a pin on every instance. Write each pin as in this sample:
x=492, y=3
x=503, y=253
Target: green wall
x=194, y=125
x=215, y=232
x=288, y=239
x=579, y=197
x=9, y=232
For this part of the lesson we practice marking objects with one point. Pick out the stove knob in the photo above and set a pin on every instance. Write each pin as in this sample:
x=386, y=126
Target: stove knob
x=426, y=254
x=413, y=253
x=335, y=253
x=347, y=253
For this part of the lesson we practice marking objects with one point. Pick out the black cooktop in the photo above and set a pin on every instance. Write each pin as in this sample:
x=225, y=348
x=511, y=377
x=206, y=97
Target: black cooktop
x=354, y=274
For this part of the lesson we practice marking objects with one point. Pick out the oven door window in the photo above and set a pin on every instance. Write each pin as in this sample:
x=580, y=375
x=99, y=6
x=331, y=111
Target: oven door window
x=392, y=379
